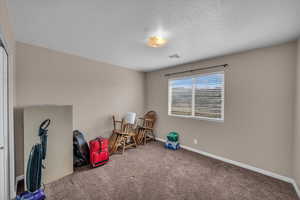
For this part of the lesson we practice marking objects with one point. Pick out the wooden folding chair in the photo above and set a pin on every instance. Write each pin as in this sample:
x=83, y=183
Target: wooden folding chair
x=114, y=139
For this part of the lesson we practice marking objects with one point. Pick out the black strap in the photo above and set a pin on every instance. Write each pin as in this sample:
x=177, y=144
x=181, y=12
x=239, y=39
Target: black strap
x=101, y=161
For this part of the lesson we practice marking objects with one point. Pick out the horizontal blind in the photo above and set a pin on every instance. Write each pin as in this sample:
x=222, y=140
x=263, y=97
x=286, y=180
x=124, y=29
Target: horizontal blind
x=181, y=95
x=209, y=95
x=199, y=96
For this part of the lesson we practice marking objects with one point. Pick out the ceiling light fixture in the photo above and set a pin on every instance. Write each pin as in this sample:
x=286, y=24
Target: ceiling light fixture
x=156, y=41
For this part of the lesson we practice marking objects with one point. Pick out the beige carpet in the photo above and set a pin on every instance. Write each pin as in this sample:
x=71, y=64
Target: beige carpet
x=153, y=172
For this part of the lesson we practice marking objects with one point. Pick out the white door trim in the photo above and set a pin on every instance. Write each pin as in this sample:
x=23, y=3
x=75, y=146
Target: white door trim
x=10, y=139
x=4, y=123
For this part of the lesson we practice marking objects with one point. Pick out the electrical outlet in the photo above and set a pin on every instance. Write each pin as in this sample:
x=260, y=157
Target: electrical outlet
x=195, y=141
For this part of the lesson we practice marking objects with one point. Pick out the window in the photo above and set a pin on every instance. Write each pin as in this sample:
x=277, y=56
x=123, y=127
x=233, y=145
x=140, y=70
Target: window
x=200, y=96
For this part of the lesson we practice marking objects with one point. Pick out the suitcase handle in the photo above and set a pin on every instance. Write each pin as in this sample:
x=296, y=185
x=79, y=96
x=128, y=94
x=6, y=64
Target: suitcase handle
x=99, y=140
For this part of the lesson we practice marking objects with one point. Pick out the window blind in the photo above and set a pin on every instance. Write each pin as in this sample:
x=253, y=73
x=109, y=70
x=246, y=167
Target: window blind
x=199, y=96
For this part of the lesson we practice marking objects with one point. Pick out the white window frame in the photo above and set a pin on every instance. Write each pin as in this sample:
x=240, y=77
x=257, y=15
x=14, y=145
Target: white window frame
x=193, y=97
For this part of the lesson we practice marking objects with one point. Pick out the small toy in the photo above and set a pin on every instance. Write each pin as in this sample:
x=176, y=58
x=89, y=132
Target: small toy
x=172, y=141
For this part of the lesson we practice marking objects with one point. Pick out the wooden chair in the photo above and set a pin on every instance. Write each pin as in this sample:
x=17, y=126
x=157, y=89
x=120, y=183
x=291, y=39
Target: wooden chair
x=128, y=137
x=145, y=128
x=123, y=136
x=114, y=139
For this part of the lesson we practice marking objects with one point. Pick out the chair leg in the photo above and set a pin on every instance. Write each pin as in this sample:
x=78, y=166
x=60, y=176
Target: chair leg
x=145, y=137
x=154, y=138
x=116, y=144
x=124, y=143
x=134, y=141
x=113, y=141
x=141, y=138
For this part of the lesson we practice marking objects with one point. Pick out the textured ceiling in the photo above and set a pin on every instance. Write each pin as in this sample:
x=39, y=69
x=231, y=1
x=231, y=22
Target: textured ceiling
x=115, y=31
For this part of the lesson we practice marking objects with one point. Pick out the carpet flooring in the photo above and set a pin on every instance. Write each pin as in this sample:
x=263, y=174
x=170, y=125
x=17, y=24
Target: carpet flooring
x=152, y=172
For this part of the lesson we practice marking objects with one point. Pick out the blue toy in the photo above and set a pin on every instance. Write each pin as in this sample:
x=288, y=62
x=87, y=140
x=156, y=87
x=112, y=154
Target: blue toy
x=172, y=145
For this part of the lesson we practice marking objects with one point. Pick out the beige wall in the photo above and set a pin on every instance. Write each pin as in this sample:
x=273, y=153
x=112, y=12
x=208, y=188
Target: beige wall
x=296, y=153
x=7, y=31
x=259, y=97
x=59, y=157
x=96, y=90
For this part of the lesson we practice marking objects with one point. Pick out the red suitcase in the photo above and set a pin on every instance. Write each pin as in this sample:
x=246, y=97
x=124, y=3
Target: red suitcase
x=99, y=151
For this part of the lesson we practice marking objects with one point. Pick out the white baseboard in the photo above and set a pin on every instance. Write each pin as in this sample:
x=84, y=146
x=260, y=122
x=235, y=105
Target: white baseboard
x=18, y=179
x=296, y=188
x=243, y=165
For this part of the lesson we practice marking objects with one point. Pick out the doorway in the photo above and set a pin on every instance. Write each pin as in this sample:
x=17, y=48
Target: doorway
x=3, y=124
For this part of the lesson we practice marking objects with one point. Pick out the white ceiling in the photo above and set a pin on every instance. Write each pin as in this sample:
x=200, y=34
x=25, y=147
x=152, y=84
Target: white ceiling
x=115, y=31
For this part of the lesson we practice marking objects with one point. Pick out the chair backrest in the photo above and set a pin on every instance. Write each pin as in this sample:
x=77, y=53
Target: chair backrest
x=128, y=128
x=148, y=123
x=118, y=125
x=150, y=119
x=150, y=115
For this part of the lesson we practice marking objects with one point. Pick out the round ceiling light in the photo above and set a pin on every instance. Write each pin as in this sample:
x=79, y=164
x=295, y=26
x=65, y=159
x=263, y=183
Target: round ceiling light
x=156, y=41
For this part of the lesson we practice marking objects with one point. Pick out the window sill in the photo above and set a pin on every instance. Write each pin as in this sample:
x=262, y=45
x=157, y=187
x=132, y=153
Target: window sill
x=198, y=118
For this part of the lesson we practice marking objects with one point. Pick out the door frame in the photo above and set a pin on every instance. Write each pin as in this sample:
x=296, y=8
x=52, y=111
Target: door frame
x=10, y=189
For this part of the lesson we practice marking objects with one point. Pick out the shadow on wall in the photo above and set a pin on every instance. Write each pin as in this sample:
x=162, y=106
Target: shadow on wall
x=19, y=141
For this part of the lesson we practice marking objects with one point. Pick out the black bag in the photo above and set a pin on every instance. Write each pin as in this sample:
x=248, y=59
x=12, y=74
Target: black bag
x=81, y=151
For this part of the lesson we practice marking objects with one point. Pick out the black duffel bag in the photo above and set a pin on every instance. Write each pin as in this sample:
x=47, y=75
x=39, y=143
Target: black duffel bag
x=81, y=151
